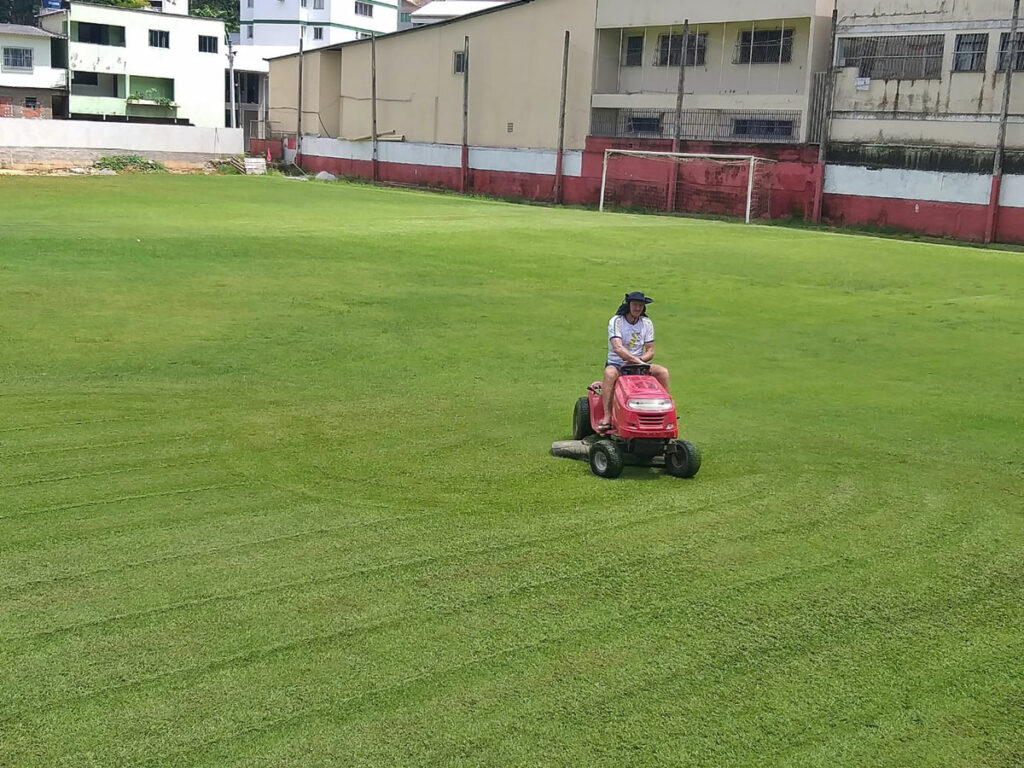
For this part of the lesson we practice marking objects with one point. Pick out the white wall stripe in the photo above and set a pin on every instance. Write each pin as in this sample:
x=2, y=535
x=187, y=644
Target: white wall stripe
x=899, y=184
x=511, y=160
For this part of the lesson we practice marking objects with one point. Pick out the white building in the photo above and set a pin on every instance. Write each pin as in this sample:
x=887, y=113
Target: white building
x=32, y=75
x=445, y=10
x=152, y=65
x=327, y=22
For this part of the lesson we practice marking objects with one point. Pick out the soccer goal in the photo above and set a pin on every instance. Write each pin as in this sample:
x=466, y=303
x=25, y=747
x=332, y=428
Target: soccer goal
x=729, y=185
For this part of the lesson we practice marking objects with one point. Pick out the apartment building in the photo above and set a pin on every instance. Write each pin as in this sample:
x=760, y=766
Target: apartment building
x=926, y=73
x=321, y=22
x=155, y=64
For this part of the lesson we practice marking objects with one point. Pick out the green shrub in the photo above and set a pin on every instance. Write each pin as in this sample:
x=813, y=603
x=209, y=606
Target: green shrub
x=129, y=164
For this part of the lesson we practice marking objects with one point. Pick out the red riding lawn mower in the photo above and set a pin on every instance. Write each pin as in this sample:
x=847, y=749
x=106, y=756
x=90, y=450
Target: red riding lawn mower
x=644, y=427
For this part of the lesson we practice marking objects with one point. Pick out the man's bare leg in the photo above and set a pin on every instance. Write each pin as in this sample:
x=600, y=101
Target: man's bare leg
x=611, y=375
x=660, y=372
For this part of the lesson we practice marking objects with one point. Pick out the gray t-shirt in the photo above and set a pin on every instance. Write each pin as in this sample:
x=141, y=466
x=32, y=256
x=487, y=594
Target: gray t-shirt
x=634, y=335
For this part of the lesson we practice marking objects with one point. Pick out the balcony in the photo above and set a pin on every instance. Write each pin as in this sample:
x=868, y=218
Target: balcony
x=98, y=105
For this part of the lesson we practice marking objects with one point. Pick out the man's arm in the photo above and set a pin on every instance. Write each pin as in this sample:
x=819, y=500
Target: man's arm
x=620, y=349
x=648, y=354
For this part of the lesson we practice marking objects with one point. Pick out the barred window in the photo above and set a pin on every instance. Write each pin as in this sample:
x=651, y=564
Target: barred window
x=754, y=127
x=364, y=9
x=634, y=56
x=970, y=53
x=644, y=124
x=904, y=57
x=670, y=48
x=17, y=58
x=765, y=46
x=1004, y=52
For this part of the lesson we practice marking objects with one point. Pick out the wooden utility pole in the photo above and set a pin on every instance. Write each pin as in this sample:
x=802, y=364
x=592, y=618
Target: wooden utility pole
x=465, y=115
x=992, y=220
x=373, y=106
x=559, y=160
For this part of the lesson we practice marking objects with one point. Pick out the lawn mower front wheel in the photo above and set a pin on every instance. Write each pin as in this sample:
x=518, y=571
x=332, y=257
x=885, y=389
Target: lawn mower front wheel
x=605, y=459
x=682, y=459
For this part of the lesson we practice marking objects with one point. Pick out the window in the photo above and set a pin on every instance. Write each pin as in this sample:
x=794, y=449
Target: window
x=765, y=46
x=644, y=124
x=903, y=57
x=363, y=9
x=670, y=47
x=459, y=63
x=634, y=55
x=759, y=128
x=85, y=78
x=405, y=18
x=207, y=44
x=159, y=38
x=970, y=53
x=17, y=58
x=248, y=3
x=156, y=5
x=318, y=33
x=248, y=31
x=364, y=36
x=318, y=5
x=1004, y=52
x=31, y=102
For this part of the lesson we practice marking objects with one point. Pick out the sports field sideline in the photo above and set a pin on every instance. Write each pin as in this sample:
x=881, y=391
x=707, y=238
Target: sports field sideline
x=276, y=489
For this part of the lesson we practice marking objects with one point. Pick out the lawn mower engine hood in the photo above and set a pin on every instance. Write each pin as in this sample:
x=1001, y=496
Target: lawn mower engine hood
x=643, y=409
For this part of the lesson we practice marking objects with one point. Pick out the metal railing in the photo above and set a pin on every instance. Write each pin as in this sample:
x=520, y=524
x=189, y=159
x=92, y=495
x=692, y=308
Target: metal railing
x=749, y=125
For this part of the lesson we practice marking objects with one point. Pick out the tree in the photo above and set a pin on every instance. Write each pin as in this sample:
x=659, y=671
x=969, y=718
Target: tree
x=18, y=11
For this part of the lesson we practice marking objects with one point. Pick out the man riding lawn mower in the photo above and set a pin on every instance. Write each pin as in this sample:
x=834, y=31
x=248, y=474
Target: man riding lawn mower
x=630, y=411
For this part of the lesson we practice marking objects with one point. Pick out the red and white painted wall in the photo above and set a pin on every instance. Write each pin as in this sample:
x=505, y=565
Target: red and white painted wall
x=928, y=202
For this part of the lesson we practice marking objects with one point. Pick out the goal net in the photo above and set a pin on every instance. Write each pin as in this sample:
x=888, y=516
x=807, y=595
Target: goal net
x=728, y=185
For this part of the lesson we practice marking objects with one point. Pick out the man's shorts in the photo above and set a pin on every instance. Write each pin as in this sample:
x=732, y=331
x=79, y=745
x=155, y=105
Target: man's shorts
x=617, y=366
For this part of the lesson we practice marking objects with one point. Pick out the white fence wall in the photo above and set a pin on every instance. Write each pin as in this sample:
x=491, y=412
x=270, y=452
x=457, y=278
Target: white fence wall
x=932, y=186
x=541, y=161
x=119, y=137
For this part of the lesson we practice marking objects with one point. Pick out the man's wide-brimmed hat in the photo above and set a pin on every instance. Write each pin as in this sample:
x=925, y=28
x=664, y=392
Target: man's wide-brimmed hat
x=638, y=296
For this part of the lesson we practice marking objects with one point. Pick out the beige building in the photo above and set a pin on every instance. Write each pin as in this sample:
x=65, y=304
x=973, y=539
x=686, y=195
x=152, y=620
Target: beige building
x=925, y=72
x=748, y=74
x=514, y=91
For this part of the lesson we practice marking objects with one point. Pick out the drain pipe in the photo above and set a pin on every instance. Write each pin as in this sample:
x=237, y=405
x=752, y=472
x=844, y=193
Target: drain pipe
x=992, y=219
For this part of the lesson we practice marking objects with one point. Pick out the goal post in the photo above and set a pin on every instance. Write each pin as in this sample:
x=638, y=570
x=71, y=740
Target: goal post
x=689, y=182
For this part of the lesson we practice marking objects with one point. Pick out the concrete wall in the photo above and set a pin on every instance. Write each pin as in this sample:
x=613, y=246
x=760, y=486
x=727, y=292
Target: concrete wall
x=516, y=62
x=934, y=203
x=57, y=142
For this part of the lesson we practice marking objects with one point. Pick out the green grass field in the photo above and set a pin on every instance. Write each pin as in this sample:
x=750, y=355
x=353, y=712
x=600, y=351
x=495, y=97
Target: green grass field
x=276, y=488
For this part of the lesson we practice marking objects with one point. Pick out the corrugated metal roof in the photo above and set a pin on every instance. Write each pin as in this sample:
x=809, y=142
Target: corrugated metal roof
x=25, y=31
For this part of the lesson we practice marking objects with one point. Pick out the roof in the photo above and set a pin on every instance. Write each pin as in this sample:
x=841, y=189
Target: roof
x=25, y=31
x=414, y=30
x=148, y=10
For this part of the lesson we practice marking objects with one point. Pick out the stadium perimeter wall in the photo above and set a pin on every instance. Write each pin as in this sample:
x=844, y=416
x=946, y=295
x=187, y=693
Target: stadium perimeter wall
x=926, y=202
x=42, y=144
